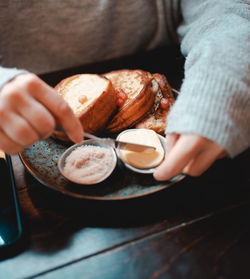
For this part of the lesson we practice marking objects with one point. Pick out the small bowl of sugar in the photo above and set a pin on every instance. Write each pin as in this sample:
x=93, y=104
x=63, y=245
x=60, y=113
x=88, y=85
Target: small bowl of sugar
x=87, y=163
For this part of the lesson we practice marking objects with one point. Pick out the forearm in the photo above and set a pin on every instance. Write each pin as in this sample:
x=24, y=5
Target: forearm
x=215, y=95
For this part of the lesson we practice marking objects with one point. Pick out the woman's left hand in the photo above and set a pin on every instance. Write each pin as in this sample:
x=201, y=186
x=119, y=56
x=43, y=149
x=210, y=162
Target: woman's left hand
x=189, y=154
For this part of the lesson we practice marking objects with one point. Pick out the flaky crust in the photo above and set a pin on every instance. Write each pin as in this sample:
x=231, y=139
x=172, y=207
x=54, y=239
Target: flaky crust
x=137, y=105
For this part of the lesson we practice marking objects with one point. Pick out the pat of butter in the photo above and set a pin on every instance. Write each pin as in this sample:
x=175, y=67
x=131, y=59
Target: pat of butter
x=142, y=160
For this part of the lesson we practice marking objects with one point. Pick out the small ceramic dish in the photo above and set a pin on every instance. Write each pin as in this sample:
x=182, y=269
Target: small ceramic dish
x=79, y=162
x=139, y=170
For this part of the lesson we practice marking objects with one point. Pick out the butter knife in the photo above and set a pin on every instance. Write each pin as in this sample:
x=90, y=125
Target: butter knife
x=115, y=143
x=121, y=144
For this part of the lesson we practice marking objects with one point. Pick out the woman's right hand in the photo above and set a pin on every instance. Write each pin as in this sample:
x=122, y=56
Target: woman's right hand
x=29, y=111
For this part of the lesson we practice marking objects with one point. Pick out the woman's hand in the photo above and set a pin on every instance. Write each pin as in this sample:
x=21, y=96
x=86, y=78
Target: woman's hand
x=29, y=111
x=188, y=153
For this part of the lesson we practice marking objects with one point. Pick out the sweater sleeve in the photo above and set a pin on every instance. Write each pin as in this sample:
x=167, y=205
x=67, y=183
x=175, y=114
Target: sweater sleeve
x=214, y=98
x=6, y=74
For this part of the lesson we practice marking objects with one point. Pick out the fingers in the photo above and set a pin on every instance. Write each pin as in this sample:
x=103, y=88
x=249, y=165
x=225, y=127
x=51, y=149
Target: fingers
x=191, y=154
x=41, y=106
x=203, y=161
x=60, y=109
x=29, y=109
x=17, y=129
x=171, y=140
x=38, y=117
x=177, y=158
x=9, y=146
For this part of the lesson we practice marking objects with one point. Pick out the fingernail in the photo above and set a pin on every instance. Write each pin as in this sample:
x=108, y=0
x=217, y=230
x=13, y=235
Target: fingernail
x=78, y=139
x=46, y=136
x=158, y=175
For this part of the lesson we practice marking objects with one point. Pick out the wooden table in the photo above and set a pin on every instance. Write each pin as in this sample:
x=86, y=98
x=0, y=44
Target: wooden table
x=198, y=228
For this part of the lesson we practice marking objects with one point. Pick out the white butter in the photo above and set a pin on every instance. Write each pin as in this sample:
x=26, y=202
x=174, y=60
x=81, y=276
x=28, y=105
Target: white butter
x=142, y=160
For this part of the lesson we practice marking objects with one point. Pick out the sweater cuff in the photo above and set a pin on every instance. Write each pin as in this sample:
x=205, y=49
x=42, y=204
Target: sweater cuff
x=214, y=106
x=6, y=74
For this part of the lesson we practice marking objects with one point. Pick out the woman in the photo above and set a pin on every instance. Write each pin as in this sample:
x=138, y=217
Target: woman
x=212, y=113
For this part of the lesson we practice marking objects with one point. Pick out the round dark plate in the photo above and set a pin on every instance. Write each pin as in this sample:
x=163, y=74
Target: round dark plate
x=41, y=159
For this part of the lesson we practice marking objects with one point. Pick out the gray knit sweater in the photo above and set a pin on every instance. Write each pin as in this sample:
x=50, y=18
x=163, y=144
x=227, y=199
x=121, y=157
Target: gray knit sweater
x=214, y=99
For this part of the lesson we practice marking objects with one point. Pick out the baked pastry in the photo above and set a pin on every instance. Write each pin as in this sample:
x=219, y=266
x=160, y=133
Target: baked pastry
x=92, y=99
x=140, y=92
x=157, y=118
